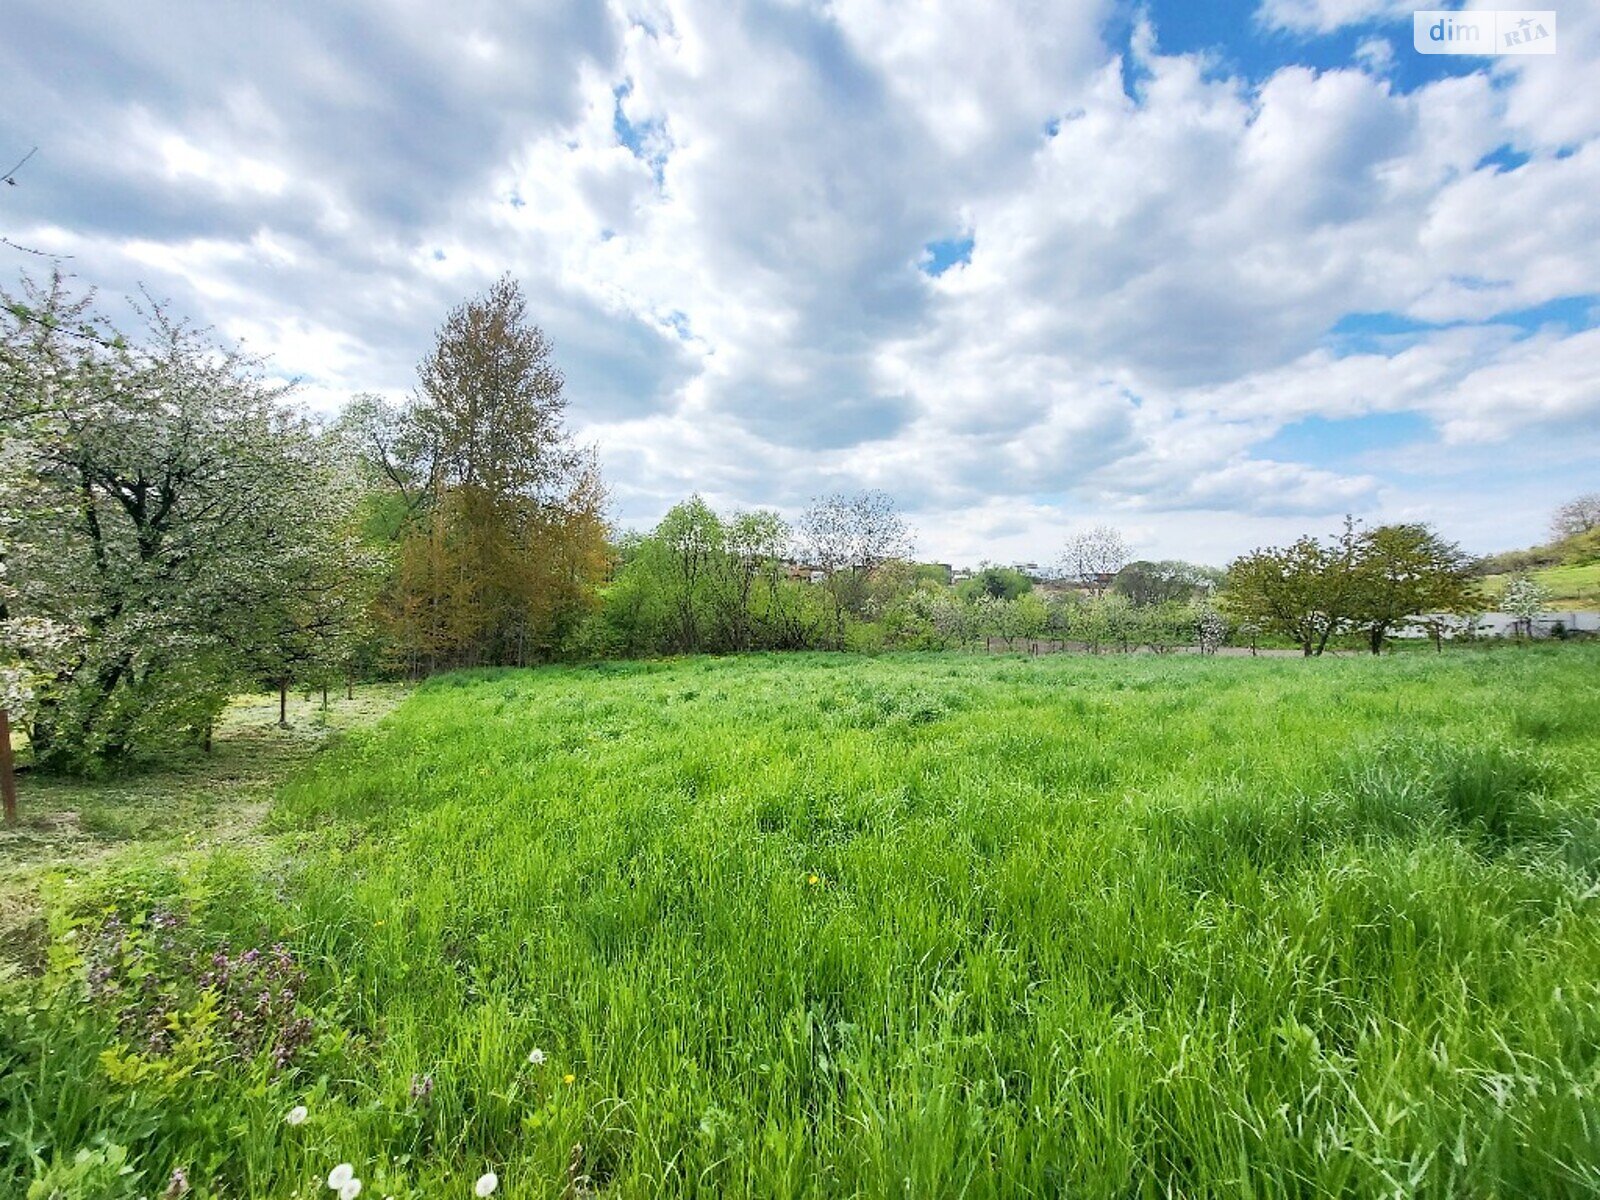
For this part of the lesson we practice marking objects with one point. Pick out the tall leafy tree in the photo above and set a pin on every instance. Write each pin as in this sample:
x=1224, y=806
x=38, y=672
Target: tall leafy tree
x=1406, y=571
x=499, y=517
x=1307, y=591
x=1169, y=580
x=754, y=545
x=1002, y=583
x=690, y=540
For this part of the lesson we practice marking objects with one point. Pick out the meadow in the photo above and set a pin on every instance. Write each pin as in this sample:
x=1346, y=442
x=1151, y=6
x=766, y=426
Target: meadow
x=827, y=926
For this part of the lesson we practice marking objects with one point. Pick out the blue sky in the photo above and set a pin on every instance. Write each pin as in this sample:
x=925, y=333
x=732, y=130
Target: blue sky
x=1213, y=272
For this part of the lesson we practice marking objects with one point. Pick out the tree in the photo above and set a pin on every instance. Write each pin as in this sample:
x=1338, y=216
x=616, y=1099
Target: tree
x=1405, y=571
x=1210, y=627
x=1305, y=591
x=1119, y=619
x=1576, y=516
x=702, y=582
x=498, y=515
x=489, y=409
x=1170, y=580
x=1093, y=558
x=1023, y=617
x=1163, y=627
x=848, y=537
x=1526, y=600
x=30, y=656
x=933, y=617
x=754, y=546
x=1003, y=583
x=309, y=629
x=146, y=509
x=690, y=538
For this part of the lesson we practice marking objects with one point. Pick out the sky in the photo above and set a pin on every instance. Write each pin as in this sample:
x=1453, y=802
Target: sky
x=1215, y=273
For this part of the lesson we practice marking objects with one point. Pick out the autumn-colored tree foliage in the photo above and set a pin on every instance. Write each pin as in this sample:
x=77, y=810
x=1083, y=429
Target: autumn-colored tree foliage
x=501, y=533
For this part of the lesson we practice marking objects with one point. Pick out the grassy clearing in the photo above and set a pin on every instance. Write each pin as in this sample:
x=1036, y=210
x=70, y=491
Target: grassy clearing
x=69, y=826
x=831, y=926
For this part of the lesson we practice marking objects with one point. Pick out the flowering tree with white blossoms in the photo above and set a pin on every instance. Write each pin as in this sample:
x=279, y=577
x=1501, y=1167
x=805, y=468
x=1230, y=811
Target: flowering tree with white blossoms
x=1525, y=600
x=1211, y=629
x=153, y=495
x=30, y=650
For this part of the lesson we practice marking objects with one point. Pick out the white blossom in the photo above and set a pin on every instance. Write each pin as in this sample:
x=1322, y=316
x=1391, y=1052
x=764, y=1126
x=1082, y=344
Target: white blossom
x=486, y=1184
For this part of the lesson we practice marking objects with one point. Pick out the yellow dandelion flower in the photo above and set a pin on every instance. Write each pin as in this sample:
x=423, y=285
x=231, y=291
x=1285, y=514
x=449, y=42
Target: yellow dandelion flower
x=814, y=881
x=569, y=1079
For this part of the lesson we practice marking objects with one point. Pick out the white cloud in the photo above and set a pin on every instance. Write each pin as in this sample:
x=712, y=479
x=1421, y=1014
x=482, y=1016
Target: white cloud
x=736, y=295
x=1376, y=54
x=1326, y=16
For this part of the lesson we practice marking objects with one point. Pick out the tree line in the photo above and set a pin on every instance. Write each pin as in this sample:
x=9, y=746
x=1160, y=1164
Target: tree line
x=174, y=529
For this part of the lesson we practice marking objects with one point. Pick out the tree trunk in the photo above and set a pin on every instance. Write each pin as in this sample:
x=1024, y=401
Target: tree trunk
x=8, y=775
x=349, y=686
x=1375, y=639
x=283, y=704
x=205, y=738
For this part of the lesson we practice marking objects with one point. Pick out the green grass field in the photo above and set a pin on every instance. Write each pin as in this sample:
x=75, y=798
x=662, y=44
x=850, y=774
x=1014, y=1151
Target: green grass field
x=833, y=926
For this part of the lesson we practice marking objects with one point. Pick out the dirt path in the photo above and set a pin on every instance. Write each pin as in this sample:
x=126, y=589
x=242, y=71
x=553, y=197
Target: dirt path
x=70, y=826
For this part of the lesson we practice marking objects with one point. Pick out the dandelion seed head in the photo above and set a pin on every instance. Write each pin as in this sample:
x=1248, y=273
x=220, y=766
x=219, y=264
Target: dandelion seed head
x=340, y=1175
x=350, y=1190
x=536, y=1057
x=297, y=1115
x=486, y=1184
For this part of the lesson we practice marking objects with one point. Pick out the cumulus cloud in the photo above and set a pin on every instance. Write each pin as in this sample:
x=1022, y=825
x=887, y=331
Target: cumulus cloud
x=721, y=214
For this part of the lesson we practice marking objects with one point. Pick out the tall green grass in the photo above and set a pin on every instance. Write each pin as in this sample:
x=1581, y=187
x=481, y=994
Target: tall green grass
x=914, y=926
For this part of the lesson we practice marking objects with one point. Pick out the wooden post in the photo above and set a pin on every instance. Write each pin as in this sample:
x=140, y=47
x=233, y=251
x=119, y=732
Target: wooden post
x=8, y=775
